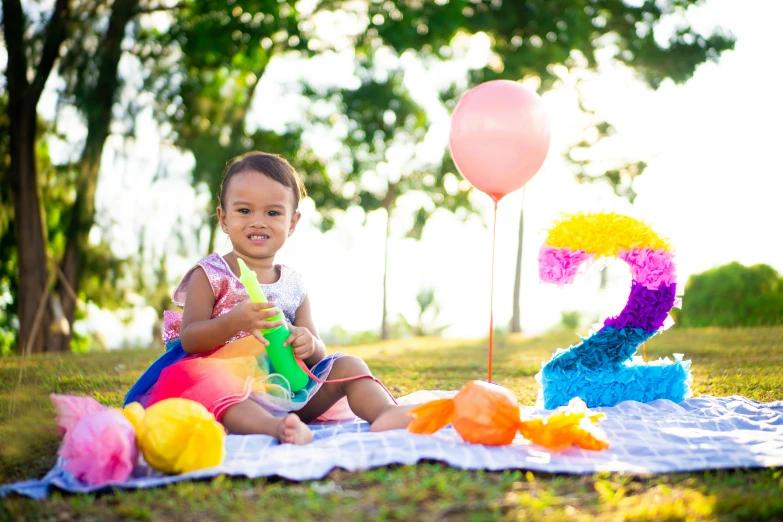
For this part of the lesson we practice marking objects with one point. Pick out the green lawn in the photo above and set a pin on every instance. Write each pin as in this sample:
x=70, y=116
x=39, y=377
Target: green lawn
x=745, y=362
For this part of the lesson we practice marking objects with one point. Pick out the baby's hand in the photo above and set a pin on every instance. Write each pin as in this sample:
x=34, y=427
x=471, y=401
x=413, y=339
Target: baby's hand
x=252, y=317
x=301, y=341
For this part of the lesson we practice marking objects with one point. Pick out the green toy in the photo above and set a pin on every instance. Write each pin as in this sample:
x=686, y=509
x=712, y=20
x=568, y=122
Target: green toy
x=281, y=357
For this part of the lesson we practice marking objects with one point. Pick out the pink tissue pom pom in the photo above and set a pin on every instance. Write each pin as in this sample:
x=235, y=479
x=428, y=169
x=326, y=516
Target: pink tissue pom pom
x=651, y=268
x=559, y=265
x=70, y=409
x=100, y=448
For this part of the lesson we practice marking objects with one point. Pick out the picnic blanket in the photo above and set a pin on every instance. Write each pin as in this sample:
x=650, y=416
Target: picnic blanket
x=658, y=437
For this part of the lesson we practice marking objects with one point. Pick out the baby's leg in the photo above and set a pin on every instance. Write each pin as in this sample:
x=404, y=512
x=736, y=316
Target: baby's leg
x=248, y=417
x=367, y=398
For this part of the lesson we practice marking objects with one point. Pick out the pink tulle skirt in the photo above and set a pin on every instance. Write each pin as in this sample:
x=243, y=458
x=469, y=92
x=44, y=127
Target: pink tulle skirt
x=231, y=374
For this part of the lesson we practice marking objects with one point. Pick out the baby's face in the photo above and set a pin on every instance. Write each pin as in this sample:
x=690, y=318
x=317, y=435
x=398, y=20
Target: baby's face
x=259, y=214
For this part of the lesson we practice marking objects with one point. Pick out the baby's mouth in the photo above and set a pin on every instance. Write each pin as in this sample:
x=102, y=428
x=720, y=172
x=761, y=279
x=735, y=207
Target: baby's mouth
x=258, y=238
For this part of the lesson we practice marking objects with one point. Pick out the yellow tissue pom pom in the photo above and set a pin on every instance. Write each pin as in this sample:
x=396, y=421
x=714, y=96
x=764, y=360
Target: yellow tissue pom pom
x=180, y=435
x=134, y=412
x=603, y=234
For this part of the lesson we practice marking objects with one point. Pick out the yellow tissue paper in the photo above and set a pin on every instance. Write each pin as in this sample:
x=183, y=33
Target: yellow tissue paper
x=180, y=435
x=134, y=412
x=603, y=234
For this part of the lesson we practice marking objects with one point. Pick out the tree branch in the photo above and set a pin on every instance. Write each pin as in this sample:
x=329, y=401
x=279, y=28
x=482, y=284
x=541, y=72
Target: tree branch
x=13, y=26
x=55, y=35
x=238, y=125
x=159, y=8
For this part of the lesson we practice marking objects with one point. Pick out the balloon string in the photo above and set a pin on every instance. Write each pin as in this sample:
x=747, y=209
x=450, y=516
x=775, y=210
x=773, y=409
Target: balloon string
x=492, y=289
x=346, y=379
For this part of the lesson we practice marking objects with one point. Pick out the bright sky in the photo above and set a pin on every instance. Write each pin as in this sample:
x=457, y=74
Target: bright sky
x=712, y=186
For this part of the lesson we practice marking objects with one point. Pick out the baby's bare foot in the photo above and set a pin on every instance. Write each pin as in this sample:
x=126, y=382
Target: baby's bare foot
x=396, y=417
x=294, y=431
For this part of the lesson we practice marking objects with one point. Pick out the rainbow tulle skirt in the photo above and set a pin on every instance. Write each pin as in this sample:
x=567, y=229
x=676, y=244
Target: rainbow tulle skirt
x=223, y=377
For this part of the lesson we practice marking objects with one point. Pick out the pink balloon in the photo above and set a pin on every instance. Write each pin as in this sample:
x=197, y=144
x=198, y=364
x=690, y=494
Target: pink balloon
x=499, y=136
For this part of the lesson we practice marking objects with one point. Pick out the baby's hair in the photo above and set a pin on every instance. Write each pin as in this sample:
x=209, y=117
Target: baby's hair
x=271, y=166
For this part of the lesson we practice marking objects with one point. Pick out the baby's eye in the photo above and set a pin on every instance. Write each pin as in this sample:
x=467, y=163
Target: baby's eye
x=244, y=210
x=274, y=213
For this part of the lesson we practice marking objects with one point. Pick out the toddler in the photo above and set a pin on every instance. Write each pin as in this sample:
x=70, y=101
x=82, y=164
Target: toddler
x=215, y=351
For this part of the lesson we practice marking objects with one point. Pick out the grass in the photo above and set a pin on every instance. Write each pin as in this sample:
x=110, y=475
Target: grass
x=746, y=361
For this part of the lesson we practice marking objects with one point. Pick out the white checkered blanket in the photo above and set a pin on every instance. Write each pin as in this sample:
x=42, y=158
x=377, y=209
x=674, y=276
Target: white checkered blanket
x=660, y=437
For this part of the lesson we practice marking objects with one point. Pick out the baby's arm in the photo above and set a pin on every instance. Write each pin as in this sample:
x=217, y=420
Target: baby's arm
x=302, y=340
x=200, y=333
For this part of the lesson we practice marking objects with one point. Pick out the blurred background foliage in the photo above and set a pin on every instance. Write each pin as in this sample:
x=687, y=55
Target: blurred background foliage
x=198, y=63
x=733, y=295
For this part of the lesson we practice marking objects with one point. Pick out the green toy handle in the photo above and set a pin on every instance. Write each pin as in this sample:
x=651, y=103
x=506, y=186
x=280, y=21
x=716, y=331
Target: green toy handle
x=281, y=357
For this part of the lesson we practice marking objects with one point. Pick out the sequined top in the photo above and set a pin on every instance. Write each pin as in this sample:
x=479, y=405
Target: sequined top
x=287, y=293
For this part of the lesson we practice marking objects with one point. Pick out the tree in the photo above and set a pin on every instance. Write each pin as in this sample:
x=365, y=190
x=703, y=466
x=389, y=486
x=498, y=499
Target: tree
x=88, y=35
x=426, y=321
x=516, y=310
x=9, y=280
x=207, y=103
x=204, y=72
x=733, y=295
x=95, y=95
x=31, y=54
x=92, y=49
x=56, y=189
x=544, y=39
x=214, y=54
x=384, y=125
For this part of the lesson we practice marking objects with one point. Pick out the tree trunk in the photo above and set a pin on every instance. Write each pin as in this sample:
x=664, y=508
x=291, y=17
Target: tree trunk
x=98, y=110
x=23, y=97
x=212, y=236
x=76, y=242
x=384, y=321
x=31, y=249
x=236, y=114
x=388, y=203
x=516, y=317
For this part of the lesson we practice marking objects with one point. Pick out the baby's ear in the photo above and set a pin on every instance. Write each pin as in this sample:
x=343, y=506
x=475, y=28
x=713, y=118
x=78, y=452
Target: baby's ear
x=221, y=218
x=294, y=220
